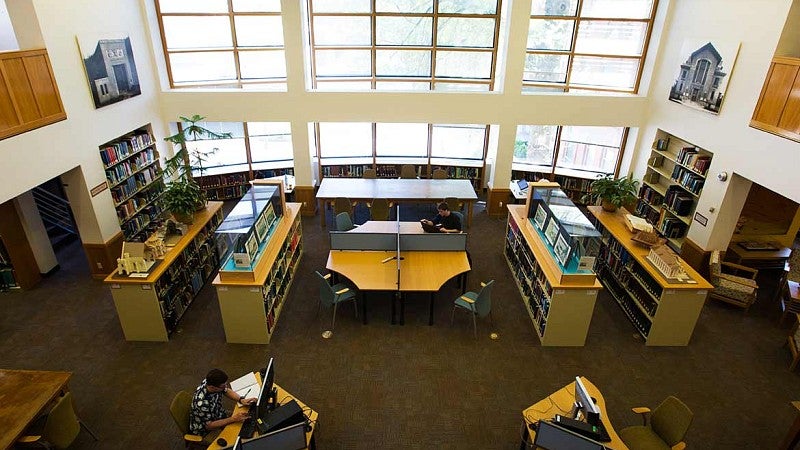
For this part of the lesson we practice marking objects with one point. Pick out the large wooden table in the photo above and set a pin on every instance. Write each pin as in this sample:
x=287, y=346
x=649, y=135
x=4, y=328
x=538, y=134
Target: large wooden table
x=24, y=394
x=560, y=402
x=758, y=259
x=396, y=190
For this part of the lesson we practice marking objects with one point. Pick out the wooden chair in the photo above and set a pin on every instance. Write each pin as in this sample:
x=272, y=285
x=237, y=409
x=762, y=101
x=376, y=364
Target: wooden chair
x=408, y=171
x=732, y=287
x=439, y=174
x=370, y=173
x=793, y=341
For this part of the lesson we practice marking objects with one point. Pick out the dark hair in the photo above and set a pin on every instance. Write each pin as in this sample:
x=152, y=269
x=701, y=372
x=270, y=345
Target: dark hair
x=216, y=377
x=443, y=206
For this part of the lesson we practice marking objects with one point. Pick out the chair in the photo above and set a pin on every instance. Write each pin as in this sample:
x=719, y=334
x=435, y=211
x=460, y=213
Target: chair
x=61, y=426
x=333, y=295
x=379, y=209
x=460, y=218
x=732, y=288
x=668, y=425
x=439, y=174
x=179, y=408
x=370, y=173
x=453, y=203
x=408, y=171
x=343, y=204
x=478, y=303
x=343, y=222
x=793, y=341
x=790, y=303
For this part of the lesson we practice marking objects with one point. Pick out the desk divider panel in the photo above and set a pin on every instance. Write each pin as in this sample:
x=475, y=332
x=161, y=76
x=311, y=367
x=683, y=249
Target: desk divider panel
x=343, y=240
x=434, y=242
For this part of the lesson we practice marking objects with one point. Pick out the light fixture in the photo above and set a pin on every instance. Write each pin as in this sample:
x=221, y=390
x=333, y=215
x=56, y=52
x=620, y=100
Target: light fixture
x=722, y=176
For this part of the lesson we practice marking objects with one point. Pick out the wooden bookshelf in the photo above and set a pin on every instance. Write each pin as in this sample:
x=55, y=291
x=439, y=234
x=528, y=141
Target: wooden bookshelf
x=673, y=182
x=574, y=186
x=251, y=308
x=150, y=308
x=133, y=174
x=664, y=311
x=560, y=305
x=233, y=185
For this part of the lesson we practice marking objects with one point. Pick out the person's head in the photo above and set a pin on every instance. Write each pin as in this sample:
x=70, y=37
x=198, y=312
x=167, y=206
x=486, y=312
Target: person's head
x=216, y=380
x=443, y=209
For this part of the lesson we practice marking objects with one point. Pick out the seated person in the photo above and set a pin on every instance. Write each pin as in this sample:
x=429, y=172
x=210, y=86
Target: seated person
x=207, y=412
x=446, y=221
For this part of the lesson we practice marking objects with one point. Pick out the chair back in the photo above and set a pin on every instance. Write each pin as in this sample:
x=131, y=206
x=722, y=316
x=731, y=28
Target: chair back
x=62, y=425
x=370, y=173
x=453, y=203
x=342, y=204
x=179, y=408
x=408, y=171
x=379, y=209
x=460, y=218
x=670, y=420
x=483, y=303
x=326, y=294
x=439, y=174
x=343, y=222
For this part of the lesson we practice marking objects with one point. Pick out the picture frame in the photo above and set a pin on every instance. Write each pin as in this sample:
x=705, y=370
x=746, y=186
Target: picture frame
x=269, y=215
x=261, y=228
x=252, y=246
x=551, y=230
x=110, y=69
x=703, y=73
x=562, y=249
x=540, y=216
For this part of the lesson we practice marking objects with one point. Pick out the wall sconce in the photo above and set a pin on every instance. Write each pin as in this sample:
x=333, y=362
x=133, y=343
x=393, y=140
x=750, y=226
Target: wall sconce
x=722, y=176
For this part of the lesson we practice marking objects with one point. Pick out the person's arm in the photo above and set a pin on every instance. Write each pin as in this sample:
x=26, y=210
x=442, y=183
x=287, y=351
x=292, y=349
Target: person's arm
x=231, y=394
x=454, y=223
x=222, y=423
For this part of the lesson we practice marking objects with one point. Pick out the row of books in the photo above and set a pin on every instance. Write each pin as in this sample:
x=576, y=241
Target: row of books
x=135, y=183
x=351, y=171
x=678, y=201
x=688, y=179
x=690, y=157
x=650, y=195
x=226, y=193
x=639, y=320
x=213, y=181
x=117, y=151
x=571, y=183
x=143, y=159
x=269, y=173
x=646, y=211
x=460, y=172
x=672, y=227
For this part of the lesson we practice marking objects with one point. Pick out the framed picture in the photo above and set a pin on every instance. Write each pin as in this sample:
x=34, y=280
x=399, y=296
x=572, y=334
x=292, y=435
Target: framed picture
x=551, y=230
x=703, y=72
x=269, y=215
x=110, y=69
x=540, y=216
x=252, y=246
x=562, y=249
x=261, y=228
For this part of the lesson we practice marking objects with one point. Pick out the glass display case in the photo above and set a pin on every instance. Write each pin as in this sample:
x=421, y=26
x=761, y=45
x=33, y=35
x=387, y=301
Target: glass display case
x=247, y=229
x=569, y=236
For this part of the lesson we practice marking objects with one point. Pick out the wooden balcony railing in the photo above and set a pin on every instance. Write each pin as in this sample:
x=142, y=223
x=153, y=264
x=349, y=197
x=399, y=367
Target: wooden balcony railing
x=778, y=107
x=29, y=96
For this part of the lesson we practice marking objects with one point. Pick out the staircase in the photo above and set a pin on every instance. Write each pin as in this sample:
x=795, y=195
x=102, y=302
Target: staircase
x=56, y=214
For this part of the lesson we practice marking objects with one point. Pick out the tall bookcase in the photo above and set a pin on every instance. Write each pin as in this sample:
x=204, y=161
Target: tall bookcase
x=150, y=308
x=133, y=173
x=676, y=173
x=251, y=308
x=233, y=185
x=560, y=306
x=664, y=311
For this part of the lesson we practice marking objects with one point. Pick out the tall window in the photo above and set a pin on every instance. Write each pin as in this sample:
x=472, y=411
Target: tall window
x=448, y=45
x=224, y=155
x=569, y=150
x=223, y=43
x=596, y=45
x=270, y=144
x=701, y=71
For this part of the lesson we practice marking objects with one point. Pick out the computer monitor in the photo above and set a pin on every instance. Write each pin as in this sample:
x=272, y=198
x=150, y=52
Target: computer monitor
x=265, y=403
x=235, y=446
x=552, y=437
x=585, y=403
x=289, y=438
x=522, y=184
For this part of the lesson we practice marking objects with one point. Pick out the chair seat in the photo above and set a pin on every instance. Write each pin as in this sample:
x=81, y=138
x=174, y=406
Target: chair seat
x=642, y=438
x=728, y=288
x=465, y=304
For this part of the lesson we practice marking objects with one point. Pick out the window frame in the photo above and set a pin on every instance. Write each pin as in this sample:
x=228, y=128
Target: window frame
x=571, y=53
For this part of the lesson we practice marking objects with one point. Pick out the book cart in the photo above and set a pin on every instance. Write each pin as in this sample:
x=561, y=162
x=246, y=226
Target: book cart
x=556, y=283
x=261, y=245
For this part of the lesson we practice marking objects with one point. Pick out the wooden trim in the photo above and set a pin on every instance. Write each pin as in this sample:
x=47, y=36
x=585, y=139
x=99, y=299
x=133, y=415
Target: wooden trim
x=26, y=270
x=103, y=257
x=496, y=200
x=306, y=196
x=695, y=256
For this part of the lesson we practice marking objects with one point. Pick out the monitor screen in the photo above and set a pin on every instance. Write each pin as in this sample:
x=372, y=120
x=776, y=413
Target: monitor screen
x=553, y=437
x=289, y=438
x=267, y=379
x=522, y=184
x=585, y=403
x=235, y=446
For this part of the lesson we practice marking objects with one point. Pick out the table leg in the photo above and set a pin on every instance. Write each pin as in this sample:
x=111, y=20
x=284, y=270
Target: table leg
x=322, y=213
x=402, y=308
x=312, y=443
x=430, y=315
x=469, y=213
x=394, y=299
x=364, y=307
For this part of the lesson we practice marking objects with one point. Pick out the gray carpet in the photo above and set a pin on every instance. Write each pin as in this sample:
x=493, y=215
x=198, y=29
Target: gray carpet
x=399, y=387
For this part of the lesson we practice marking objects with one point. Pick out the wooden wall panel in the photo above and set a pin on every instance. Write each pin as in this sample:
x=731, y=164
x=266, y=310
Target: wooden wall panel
x=790, y=120
x=19, y=249
x=8, y=114
x=17, y=77
x=47, y=97
x=496, y=200
x=776, y=90
x=306, y=195
x=103, y=257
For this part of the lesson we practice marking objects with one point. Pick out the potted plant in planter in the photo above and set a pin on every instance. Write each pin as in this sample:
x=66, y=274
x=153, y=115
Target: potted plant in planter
x=612, y=192
x=183, y=195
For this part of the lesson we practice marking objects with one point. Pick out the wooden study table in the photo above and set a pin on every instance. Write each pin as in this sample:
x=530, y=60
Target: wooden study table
x=396, y=190
x=231, y=431
x=758, y=259
x=24, y=395
x=560, y=402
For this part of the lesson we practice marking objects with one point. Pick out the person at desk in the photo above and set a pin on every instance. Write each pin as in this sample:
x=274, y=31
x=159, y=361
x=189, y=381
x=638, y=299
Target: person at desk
x=207, y=412
x=446, y=221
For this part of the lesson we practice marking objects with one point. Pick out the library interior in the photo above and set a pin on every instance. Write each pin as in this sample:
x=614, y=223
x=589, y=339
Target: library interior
x=613, y=259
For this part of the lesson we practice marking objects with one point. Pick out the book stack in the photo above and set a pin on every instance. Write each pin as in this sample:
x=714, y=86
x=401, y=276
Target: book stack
x=688, y=179
x=678, y=201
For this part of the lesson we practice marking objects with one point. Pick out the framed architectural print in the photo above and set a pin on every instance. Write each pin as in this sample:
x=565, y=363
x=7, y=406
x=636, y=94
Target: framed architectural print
x=551, y=230
x=540, y=216
x=562, y=249
x=703, y=74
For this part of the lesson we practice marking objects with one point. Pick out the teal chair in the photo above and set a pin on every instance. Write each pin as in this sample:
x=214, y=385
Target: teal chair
x=666, y=430
x=343, y=222
x=479, y=304
x=332, y=295
x=460, y=218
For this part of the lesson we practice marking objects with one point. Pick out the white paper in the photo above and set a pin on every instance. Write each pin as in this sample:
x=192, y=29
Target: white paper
x=246, y=385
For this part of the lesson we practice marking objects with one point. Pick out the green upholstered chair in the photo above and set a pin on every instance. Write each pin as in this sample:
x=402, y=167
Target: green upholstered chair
x=379, y=209
x=408, y=171
x=453, y=203
x=460, y=218
x=370, y=173
x=332, y=295
x=60, y=428
x=343, y=222
x=666, y=429
x=733, y=283
x=479, y=304
x=439, y=174
x=179, y=408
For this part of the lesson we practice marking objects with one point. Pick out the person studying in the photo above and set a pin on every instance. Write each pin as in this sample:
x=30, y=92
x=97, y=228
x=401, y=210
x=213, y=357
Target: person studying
x=207, y=413
x=444, y=222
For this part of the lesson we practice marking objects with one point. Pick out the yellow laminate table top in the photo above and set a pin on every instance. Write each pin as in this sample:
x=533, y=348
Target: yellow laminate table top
x=23, y=396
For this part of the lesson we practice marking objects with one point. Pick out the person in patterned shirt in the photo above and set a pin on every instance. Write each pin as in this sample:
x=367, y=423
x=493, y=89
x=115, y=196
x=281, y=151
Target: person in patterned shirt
x=207, y=412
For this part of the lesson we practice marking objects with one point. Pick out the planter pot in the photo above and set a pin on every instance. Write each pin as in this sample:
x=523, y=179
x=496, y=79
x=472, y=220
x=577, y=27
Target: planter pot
x=608, y=206
x=184, y=218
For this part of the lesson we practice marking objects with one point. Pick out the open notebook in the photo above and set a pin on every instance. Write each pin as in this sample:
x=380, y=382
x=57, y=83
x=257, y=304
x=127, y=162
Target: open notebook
x=246, y=386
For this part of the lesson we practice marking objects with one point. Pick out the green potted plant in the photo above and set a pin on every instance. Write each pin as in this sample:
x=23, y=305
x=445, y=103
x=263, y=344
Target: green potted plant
x=183, y=195
x=612, y=192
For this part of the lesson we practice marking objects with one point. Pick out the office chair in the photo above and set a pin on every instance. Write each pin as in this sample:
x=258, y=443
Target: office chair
x=732, y=288
x=408, y=171
x=343, y=204
x=478, y=303
x=453, y=203
x=667, y=428
x=333, y=295
x=460, y=218
x=439, y=174
x=370, y=173
x=61, y=426
x=379, y=209
x=343, y=222
x=179, y=408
